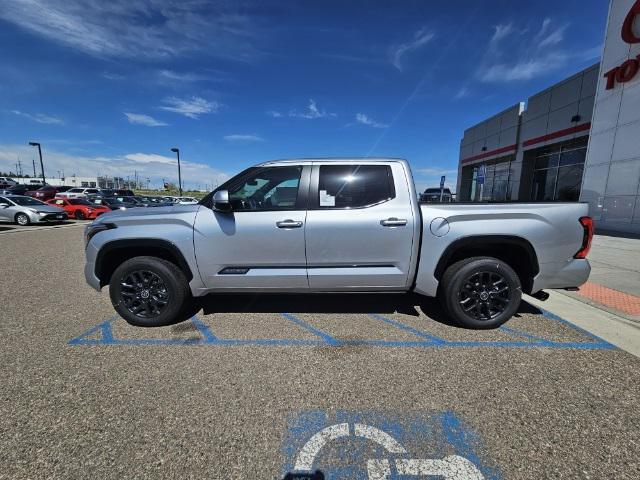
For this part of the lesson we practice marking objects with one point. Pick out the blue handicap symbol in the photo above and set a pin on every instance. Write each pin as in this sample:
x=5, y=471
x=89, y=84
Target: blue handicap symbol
x=375, y=446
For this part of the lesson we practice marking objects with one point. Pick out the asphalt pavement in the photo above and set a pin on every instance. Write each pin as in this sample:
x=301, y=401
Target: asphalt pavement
x=256, y=387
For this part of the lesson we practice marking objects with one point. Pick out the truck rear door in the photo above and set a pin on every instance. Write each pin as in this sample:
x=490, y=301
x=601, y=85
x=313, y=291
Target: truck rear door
x=360, y=226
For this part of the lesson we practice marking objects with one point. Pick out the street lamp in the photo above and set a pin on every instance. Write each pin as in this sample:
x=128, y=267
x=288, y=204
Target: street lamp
x=36, y=144
x=177, y=152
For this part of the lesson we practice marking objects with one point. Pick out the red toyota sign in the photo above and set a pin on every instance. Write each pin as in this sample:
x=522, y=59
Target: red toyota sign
x=627, y=70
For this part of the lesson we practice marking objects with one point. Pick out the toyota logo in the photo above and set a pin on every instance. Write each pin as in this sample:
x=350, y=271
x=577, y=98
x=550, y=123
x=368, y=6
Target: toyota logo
x=627, y=33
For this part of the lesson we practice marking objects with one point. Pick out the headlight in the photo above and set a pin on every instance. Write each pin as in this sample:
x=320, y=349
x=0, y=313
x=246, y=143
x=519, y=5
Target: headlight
x=94, y=228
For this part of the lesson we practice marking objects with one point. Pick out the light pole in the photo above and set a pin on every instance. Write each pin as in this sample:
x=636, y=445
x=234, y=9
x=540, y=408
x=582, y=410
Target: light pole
x=177, y=152
x=36, y=144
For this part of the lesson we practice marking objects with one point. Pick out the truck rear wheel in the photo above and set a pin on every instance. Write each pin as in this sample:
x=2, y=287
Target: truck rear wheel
x=149, y=292
x=480, y=292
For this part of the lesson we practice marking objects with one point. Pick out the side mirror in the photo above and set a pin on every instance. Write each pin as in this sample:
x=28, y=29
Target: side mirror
x=221, y=201
x=4, y=205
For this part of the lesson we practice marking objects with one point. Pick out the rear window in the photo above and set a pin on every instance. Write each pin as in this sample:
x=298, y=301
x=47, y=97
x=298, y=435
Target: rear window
x=78, y=201
x=354, y=186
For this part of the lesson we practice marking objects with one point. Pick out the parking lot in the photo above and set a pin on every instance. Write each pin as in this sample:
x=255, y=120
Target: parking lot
x=355, y=387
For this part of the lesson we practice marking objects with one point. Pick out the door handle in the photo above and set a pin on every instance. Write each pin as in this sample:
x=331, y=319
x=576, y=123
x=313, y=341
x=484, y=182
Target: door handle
x=288, y=224
x=393, y=222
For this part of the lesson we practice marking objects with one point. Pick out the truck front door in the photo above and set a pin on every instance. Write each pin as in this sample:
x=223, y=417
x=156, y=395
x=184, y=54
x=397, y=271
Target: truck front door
x=259, y=245
x=360, y=227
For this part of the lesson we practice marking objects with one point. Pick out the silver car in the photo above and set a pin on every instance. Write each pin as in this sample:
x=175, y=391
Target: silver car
x=25, y=210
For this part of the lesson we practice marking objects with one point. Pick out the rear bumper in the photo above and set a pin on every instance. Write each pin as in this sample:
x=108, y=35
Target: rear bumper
x=572, y=273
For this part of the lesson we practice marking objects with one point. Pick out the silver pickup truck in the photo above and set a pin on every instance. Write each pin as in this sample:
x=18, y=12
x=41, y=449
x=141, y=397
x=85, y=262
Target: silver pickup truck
x=339, y=225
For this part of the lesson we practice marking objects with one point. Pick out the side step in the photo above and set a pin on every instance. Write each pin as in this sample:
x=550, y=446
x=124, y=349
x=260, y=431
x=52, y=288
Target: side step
x=541, y=295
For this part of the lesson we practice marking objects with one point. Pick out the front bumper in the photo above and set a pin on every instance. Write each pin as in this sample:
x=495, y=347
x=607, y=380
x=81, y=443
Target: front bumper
x=90, y=266
x=48, y=217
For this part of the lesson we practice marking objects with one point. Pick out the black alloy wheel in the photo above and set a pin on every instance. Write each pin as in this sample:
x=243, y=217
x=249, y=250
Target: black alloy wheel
x=480, y=292
x=144, y=294
x=484, y=295
x=150, y=292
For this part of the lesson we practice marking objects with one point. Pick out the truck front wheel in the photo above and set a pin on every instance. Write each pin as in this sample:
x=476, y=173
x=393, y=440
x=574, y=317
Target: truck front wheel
x=149, y=292
x=480, y=292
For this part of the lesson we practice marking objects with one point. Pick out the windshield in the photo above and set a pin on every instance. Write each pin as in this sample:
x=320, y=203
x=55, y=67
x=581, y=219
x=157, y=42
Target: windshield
x=26, y=201
x=79, y=201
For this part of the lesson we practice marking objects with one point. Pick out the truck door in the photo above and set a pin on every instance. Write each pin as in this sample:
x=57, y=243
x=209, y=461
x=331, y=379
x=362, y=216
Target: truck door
x=259, y=245
x=360, y=226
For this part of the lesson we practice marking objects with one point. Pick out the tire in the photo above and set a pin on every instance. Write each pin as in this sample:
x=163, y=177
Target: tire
x=489, y=286
x=22, y=219
x=79, y=215
x=139, y=283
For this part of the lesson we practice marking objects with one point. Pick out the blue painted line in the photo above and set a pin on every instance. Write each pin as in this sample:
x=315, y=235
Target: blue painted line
x=205, y=331
x=407, y=328
x=319, y=333
x=520, y=333
x=104, y=328
x=553, y=316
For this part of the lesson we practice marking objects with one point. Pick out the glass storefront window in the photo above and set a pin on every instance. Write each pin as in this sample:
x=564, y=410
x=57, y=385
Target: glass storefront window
x=496, y=181
x=569, y=180
x=557, y=174
x=544, y=183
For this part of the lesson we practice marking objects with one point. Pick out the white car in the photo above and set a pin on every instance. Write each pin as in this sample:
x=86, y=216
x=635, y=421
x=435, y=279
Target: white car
x=186, y=201
x=6, y=182
x=78, y=192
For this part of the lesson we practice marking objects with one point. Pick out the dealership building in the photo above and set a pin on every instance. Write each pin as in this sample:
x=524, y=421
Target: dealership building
x=578, y=140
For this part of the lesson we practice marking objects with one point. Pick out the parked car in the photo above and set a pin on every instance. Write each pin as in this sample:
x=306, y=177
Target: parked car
x=187, y=201
x=78, y=192
x=114, y=203
x=47, y=192
x=24, y=210
x=18, y=189
x=124, y=193
x=433, y=195
x=356, y=226
x=79, y=208
x=146, y=201
x=6, y=182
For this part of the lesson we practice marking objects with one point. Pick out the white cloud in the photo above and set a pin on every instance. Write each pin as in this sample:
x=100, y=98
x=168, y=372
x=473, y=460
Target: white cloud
x=154, y=29
x=146, y=120
x=524, y=69
x=526, y=56
x=500, y=32
x=151, y=165
x=237, y=137
x=366, y=120
x=420, y=39
x=311, y=112
x=192, y=107
x=274, y=114
x=40, y=117
x=463, y=92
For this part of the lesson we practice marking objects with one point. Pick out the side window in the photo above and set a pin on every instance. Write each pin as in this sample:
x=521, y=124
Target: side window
x=271, y=188
x=354, y=186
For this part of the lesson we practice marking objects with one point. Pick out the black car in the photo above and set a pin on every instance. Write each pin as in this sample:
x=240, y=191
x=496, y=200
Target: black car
x=18, y=189
x=432, y=195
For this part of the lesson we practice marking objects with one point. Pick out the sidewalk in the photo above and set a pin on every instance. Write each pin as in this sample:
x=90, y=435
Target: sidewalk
x=614, y=284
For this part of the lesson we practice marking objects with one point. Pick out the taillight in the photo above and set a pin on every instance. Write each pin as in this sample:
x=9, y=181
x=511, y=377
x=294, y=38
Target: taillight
x=587, y=225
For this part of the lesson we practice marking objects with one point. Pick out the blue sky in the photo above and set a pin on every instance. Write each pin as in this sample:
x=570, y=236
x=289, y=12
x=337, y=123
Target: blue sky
x=110, y=87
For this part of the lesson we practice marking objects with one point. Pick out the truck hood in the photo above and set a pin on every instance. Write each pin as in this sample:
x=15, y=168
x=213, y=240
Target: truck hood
x=147, y=213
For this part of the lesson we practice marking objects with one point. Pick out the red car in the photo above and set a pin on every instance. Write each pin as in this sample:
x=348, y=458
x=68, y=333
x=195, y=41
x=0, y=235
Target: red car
x=79, y=208
x=46, y=193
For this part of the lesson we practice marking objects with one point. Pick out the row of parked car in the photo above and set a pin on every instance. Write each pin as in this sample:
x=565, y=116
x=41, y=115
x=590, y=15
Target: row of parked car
x=49, y=203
